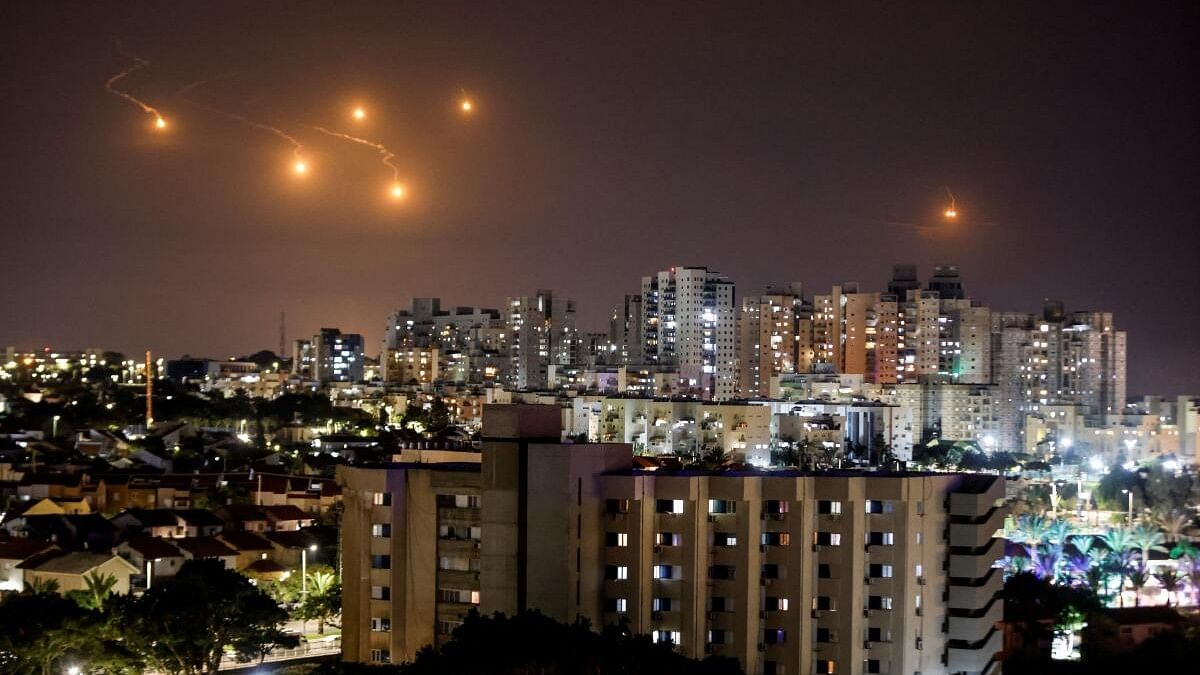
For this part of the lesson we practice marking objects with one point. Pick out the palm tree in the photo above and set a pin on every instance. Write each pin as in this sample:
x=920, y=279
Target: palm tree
x=1138, y=578
x=1059, y=530
x=1175, y=526
x=1029, y=530
x=1146, y=537
x=1171, y=581
x=1119, y=542
x=97, y=589
x=42, y=586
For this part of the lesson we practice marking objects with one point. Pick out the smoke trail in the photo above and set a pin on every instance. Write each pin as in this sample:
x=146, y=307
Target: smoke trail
x=111, y=85
x=297, y=146
x=386, y=155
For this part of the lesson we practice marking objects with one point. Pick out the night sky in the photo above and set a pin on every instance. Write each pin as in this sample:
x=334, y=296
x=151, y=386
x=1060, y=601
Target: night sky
x=608, y=141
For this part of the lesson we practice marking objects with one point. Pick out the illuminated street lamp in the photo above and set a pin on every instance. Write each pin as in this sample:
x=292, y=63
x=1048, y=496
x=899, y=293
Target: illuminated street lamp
x=54, y=427
x=304, y=569
x=1129, y=513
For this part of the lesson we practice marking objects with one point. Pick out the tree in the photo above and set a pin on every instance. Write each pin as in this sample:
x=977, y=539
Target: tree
x=44, y=633
x=324, y=599
x=183, y=625
x=1146, y=538
x=98, y=587
x=1171, y=581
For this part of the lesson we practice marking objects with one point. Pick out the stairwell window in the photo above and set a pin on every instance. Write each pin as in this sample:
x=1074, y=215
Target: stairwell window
x=382, y=498
x=668, y=506
x=829, y=507
x=827, y=538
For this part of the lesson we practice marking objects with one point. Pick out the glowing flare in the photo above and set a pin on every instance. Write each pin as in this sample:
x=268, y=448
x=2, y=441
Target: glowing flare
x=160, y=123
x=300, y=167
x=950, y=213
x=398, y=191
x=466, y=105
x=360, y=114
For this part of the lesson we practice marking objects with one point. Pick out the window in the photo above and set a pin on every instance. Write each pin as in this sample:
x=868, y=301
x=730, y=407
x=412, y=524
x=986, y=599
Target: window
x=827, y=539
x=668, y=505
x=871, y=665
x=671, y=636
x=720, y=604
x=776, y=538
x=382, y=498
x=823, y=603
x=917, y=603
x=725, y=572
x=879, y=602
x=660, y=605
x=775, y=506
x=920, y=537
x=776, y=604
x=667, y=539
x=381, y=530
x=616, y=605
x=381, y=562
x=664, y=572
x=880, y=538
x=829, y=507
x=826, y=667
x=824, y=571
x=771, y=571
x=774, y=636
x=919, y=570
x=616, y=572
x=616, y=539
x=726, y=539
x=616, y=506
x=381, y=656
x=381, y=593
x=716, y=637
x=722, y=506
x=381, y=624
x=876, y=634
x=877, y=571
x=877, y=506
x=454, y=563
x=826, y=635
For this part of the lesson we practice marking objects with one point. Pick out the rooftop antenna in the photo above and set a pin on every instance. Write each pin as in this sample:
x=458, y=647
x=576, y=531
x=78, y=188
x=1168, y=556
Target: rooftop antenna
x=149, y=392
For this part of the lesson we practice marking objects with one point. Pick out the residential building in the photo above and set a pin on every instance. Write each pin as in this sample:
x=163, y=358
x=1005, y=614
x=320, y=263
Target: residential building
x=689, y=321
x=787, y=571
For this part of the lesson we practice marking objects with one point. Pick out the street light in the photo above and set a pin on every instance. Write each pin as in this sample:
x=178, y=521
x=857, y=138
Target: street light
x=304, y=569
x=1129, y=514
x=54, y=427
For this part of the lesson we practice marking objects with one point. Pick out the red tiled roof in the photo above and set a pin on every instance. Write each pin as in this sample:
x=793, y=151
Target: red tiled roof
x=245, y=541
x=20, y=549
x=153, y=547
x=265, y=567
x=204, y=547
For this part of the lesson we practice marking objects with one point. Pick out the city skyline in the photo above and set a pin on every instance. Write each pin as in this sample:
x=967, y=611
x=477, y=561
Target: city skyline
x=773, y=147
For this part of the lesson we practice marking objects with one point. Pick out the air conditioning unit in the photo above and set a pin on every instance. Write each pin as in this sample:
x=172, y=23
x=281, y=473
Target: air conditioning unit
x=867, y=580
x=866, y=612
x=762, y=547
x=920, y=612
x=657, y=616
x=762, y=647
x=866, y=644
x=712, y=614
x=712, y=519
x=777, y=516
x=658, y=548
x=920, y=643
x=920, y=581
x=816, y=614
x=763, y=581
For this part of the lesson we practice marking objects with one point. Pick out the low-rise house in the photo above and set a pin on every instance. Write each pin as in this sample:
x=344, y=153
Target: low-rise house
x=200, y=522
x=163, y=557
x=250, y=547
x=287, y=518
x=37, y=486
x=90, y=531
x=291, y=546
x=200, y=548
x=13, y=552
x=153, y=522
x=70, y=568
x=1118, y=630
x=266, y=570
x=245, y=518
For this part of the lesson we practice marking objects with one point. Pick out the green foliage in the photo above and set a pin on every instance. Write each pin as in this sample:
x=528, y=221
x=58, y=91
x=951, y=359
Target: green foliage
x=183, y=625
x=324, y=599
x=97, y=590
x=44, y=633
x=533, y=643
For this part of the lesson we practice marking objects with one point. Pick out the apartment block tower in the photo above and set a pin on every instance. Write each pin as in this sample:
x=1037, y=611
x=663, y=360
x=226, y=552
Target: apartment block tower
x=767, y=339
x=330, y=356
x=542, y=332
x=787, y=571
x=689, y=322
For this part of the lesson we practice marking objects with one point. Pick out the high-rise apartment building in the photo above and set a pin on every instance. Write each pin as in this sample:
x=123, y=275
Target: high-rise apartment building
x=625, y=331
x=767, y=341
x=689, y=322
x=330, y=356
x=542, y=332
x=470, y=342
x=787, y=571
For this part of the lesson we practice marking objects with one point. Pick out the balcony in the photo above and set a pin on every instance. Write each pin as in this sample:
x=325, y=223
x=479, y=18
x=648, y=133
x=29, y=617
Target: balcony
x=972, y=593
x=975, y=563
x=966, y=625
x=974, y=657
x=468, y=579
x=457, y=547
x=454, y=514
x=977, y=532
